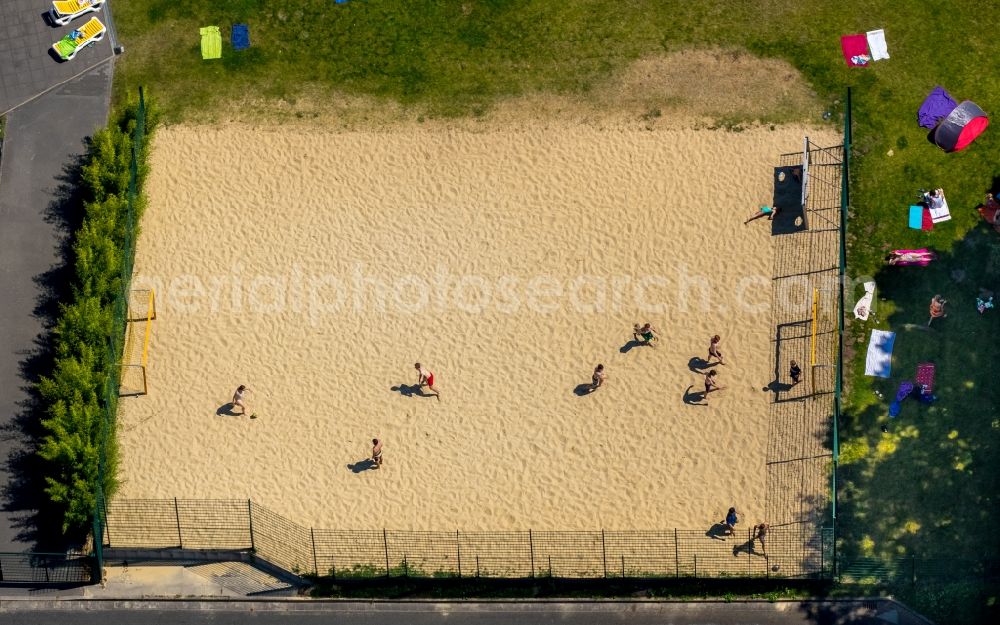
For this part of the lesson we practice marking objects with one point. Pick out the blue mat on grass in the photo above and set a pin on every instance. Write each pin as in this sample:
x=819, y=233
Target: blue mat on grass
x=241, y=37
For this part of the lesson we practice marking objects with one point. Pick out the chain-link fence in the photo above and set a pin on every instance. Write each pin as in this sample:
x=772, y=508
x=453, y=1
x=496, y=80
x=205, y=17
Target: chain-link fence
x=107, y=447
x=239, y=525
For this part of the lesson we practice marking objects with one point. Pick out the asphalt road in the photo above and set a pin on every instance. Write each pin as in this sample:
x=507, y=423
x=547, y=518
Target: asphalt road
x=430, y=613
x=42, y=138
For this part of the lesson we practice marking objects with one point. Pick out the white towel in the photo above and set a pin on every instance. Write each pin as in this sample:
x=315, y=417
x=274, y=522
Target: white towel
x=876, y=44
x=864, y=305
x=878, y=361
x=941, y=214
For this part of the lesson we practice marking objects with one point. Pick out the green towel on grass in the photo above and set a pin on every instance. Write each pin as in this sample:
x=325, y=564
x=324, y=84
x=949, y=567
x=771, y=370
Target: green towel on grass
x=211, y=42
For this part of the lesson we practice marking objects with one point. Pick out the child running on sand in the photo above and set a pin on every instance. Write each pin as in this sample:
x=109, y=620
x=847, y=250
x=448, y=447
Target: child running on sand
x=426, y=377
x=713, y=349
x=795, y=372
x=597, y=380
x=646, y=334
x=711, y=384
x=376, y=453
x=240, y=399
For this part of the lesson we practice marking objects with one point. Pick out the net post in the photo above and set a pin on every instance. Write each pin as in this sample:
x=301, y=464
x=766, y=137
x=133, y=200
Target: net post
x=253, y=545
x=145, y=386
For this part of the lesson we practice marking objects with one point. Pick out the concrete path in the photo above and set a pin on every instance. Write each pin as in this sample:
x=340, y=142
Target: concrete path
x=305, y=612
x=27, y=67
x=42, y=139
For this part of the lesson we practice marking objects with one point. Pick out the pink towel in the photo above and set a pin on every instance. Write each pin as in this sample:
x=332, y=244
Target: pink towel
x=856, y=50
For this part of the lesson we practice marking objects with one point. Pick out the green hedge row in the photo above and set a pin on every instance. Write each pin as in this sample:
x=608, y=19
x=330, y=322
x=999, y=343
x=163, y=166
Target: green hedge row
x=73, y=394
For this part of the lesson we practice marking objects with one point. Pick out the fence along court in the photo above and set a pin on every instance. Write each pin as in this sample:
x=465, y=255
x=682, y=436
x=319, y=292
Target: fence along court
x=788, y=552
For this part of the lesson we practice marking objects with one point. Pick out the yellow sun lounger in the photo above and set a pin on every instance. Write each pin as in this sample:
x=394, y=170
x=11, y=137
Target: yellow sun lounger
x=91, y=32
x=65, y=11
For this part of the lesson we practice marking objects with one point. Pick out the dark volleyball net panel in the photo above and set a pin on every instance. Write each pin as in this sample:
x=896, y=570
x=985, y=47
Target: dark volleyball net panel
x=242, y=525
x=805, y=306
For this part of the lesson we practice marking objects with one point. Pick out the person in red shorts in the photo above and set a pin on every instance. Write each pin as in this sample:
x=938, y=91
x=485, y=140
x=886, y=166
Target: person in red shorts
x=426, y=377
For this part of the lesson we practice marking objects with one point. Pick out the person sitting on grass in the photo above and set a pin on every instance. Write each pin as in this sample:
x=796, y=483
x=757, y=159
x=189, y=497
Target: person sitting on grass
x=937, y=308
x=990, y=211
x=765, y=211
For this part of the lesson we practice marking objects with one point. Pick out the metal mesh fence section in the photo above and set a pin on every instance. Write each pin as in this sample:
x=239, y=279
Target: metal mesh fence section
x=792, y=551
x=280, y=541
x=144, y=523
x=45, y=568
x=799, y=460
x=350, y=553
x=568, y=554
x=641, y=554
x=497, y=554
x=422, y=554
x=213, y=524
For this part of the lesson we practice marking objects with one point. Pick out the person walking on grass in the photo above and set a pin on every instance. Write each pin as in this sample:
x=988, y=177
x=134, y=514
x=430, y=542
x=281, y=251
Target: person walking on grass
x=795, y=372
x=240, y=399
x=597, y=380
x=645, y=334
x=937, y=308
x=376, y=453
x=711, y=383
x=713, y=350
x=425, y=377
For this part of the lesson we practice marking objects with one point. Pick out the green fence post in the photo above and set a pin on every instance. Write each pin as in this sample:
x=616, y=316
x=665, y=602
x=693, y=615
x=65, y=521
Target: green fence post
x=177, y=515
x=385, y=543
x=312, y=537
x=458, y=553
x=677, y=557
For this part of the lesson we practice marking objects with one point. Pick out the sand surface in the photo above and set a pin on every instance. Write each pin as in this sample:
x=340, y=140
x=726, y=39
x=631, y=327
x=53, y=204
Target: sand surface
x=317, y=267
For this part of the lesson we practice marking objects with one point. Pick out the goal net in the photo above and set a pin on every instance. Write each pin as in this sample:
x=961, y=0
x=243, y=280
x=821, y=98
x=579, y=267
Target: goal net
x=138, y=332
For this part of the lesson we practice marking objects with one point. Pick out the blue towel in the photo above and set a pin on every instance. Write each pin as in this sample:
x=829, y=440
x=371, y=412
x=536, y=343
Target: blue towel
x=241, y=36
x=916, y=217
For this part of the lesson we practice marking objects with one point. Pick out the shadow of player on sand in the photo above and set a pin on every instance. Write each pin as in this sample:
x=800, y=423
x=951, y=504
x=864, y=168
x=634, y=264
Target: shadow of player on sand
x=696, y=398
x=632, y=344
x=698, y=365
x=410, y=390
x=582, y=390
x=362, y=465
x=717, y=532
x=228, y=410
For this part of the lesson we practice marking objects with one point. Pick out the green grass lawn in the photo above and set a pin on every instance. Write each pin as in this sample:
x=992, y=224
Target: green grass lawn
x=926, y=488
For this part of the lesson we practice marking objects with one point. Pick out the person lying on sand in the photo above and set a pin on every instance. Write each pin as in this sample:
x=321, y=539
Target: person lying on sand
x=646, y=334
x=765, y=211
x=426, y=377
x=713, y=350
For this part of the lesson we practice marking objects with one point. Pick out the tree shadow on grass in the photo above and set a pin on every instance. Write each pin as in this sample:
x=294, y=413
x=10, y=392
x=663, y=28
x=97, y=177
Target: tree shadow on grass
x=923, y=488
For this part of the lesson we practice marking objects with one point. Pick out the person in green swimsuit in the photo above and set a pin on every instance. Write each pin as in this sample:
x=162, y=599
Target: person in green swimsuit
x=645, y=334
x=765, y=211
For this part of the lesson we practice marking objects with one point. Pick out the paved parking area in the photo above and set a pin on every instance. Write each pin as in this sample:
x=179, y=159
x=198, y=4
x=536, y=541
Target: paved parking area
x=27, y=68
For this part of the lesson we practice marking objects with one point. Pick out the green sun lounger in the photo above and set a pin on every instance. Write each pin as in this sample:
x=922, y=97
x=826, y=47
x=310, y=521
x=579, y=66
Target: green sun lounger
x=91, y=32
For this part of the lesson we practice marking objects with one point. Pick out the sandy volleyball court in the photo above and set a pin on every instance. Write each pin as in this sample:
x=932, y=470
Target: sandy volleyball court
x=316, y=267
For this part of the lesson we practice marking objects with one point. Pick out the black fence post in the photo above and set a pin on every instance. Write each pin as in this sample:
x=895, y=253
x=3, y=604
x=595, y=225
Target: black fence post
x=253, y=545
x=458, y=552
x=677, y=557
x=177, y=515
x=477, y=565
x=749, y=552
x=696, y=566
x=531, y=549
x=604, y=553
x=913, y=570
x=406, y=569
x=623, y=566
x=385, y=543
x=104, y=526
x=550, y=566
x=312, y=537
